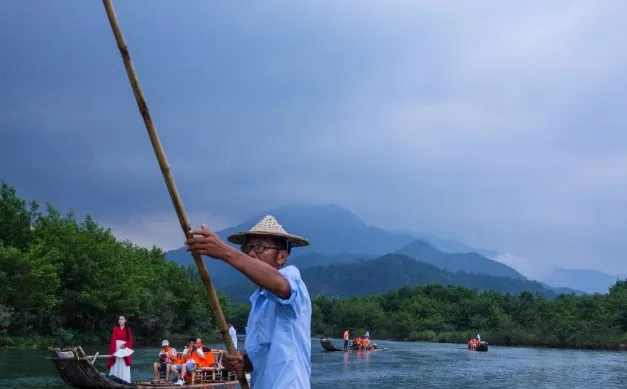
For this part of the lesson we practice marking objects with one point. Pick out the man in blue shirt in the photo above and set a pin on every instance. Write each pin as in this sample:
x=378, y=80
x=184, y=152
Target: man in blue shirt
x=278, y=333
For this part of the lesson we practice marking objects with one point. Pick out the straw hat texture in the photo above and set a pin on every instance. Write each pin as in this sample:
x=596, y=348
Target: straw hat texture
x=269, y=226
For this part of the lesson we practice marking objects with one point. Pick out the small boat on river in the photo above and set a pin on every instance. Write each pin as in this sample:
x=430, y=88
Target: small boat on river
x=78, y=371
x=478, y=346
x=328, y=345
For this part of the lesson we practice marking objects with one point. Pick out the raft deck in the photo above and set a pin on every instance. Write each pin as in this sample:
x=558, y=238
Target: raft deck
x=78, y=371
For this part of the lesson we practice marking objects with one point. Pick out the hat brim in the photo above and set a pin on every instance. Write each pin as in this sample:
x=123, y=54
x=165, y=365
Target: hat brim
x=294, y=240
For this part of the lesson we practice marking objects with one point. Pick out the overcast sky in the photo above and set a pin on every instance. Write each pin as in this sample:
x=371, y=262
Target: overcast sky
x=502, y=124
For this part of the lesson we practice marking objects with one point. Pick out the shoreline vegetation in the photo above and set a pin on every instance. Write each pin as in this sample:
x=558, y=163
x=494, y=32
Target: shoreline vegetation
x=454, y=314
x=65, y=282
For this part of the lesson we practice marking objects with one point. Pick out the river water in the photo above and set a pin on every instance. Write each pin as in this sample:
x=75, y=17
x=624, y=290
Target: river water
x=404, y=365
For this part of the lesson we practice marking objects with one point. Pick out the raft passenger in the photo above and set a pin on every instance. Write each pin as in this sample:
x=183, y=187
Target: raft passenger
x=232, y=334
x=167, y=355
x=192, y=356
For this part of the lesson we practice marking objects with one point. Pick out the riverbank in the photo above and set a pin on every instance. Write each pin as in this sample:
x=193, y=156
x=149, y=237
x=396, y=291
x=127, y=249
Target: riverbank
x=39, y=342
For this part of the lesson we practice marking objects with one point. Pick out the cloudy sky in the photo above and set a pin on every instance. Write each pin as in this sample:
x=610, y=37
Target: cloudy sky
x=502, y=124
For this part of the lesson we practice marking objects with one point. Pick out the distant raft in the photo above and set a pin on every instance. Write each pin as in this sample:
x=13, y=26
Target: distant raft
x=478, y=346
x=328, y=345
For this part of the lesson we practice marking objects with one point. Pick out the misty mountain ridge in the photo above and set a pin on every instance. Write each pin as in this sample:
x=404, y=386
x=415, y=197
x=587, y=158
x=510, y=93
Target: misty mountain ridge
x=470, y=262
x=336, y=234
x=588, y=280
x=330, y=229
x=448, y=245
x=380, y=275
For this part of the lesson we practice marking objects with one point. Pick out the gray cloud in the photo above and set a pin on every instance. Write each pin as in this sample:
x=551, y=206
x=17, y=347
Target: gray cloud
x=499, y=125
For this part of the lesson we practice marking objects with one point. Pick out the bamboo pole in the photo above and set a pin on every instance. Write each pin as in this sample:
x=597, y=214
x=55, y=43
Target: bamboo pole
x=169, y=181
x=93, y=357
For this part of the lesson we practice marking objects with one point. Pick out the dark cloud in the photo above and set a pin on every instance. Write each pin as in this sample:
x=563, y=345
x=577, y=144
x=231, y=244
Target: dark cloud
x=501, y=126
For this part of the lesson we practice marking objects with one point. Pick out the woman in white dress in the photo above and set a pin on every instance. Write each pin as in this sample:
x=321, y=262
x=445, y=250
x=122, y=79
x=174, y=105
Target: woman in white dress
x=120, y=349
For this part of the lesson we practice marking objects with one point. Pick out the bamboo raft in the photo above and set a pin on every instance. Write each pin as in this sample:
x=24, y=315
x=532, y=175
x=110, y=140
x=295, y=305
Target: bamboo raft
x=328, y=345
x=77, y=370
x=482, y=346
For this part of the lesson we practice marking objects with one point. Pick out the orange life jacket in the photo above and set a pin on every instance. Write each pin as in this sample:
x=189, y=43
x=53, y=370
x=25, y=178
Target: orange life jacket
x=196, y=358
x=184, y=358
x=170, y=354
x=345, y=335
x=208, y=360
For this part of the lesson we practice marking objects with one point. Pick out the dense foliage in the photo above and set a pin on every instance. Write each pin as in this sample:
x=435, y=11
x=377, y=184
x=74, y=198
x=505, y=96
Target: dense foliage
x=68, y=280
x=456, y=313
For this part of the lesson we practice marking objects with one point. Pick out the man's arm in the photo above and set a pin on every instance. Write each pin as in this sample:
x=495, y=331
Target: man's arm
x=259, y=272
x=234, y=362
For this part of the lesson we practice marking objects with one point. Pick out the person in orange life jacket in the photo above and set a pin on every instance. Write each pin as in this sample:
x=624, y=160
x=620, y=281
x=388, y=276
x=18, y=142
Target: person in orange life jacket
x=208, y=359
x=167, y=355
x=192, y=356
x=199, y=344
x=346, y=337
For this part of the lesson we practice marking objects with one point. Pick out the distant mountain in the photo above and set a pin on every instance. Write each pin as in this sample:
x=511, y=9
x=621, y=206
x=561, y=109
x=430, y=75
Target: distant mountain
x=391, y=271
x=471, y=262
x=317, y=259
x=331, y=229
x=589, y=281
x=526, y=267
x=563, y=290
x=226, y=276
x=450, y=245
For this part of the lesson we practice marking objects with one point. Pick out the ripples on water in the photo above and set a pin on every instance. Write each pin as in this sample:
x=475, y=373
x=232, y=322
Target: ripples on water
x=404, y=365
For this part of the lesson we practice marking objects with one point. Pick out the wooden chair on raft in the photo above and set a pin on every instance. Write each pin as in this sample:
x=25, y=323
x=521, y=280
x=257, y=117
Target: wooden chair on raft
x=212, y=373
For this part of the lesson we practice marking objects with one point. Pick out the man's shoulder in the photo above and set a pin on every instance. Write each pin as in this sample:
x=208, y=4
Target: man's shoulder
x=291, y=271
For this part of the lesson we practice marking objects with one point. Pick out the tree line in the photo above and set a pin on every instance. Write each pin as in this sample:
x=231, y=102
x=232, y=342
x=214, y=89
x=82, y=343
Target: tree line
x=455, y=314
x=65, y=281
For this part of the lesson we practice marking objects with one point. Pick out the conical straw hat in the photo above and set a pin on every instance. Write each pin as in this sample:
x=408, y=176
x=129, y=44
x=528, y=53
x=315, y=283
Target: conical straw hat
x=269, y=226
